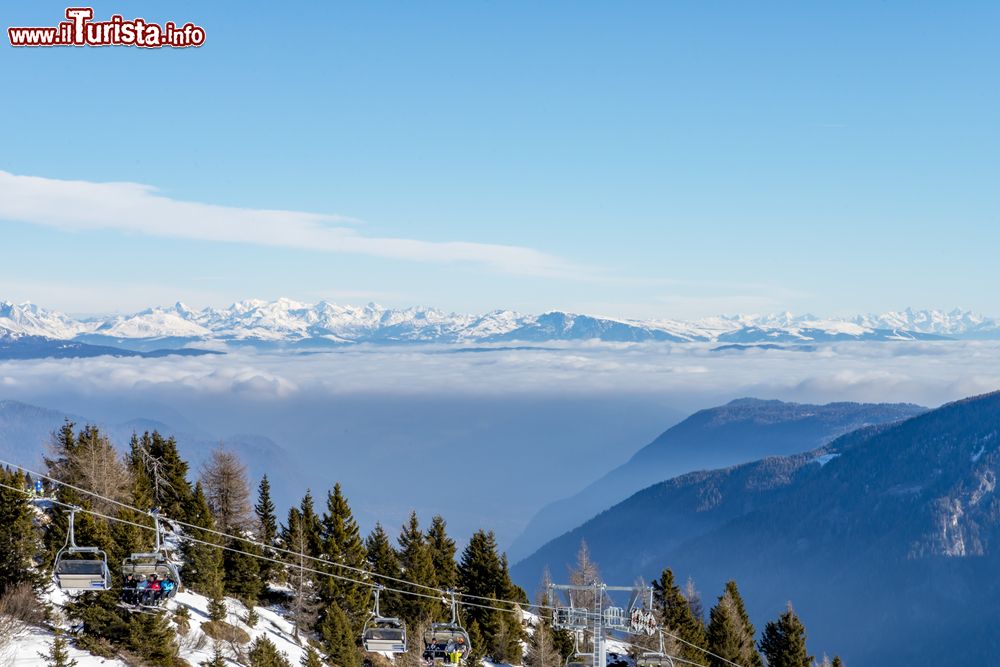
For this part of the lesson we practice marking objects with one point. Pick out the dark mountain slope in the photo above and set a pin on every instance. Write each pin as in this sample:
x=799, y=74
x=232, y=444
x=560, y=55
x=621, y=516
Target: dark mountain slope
x=40, y=347
x=740, y=431
x=889, y=550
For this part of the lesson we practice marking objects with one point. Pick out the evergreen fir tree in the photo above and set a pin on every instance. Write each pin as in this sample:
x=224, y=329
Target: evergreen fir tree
x=477, y=644
x=418, y=566
x=294, y=539
x=263, y=653
x=102, y=619
x=311, y=658
x=152, y=637
x=242, y=571
x=730, y=633
x=836, y=662
x=675, y=615
x=58, y=655
x=18, y=539
x=442, y=550
x=482, y=572
x=218, y=659
x=202, y=562
x=383, y=560
x=160, y=475
x=339, y=639
x=342, y=545
x=312, y=529
x=784, y=641
x=267, y=528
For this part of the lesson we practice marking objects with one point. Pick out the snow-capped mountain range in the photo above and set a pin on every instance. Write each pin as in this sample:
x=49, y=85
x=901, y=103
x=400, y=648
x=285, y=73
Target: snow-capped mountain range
x=290, y=322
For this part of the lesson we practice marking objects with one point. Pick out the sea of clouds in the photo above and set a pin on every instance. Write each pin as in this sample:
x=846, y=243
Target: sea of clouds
x=484, y=436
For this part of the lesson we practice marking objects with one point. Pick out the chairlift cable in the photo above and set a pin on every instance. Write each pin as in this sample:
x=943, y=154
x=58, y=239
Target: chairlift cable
x=362, y=571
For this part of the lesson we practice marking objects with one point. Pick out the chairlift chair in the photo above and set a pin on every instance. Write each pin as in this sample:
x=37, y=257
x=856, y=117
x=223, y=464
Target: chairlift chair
x=655, y=658
x=439, y=636
x=577, y=659
x=141, y=565
x=80, y=574
x=383, y=633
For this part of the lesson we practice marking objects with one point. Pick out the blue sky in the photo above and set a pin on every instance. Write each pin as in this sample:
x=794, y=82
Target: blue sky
x=661, y=159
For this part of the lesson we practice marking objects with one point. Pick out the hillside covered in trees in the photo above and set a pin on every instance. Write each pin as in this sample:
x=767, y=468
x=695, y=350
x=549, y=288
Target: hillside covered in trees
x=310, y=570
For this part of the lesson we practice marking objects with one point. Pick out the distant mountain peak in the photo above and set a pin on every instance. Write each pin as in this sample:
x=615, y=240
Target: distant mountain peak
x=286, y=320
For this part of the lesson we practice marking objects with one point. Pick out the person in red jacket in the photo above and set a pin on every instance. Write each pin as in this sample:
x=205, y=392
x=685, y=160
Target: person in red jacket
x=152, y=590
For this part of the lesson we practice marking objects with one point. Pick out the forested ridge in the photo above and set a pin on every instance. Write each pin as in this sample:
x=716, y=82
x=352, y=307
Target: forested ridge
x=312, y=564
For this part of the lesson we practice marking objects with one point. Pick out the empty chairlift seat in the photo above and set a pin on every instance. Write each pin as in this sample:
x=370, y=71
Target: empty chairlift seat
x=91, y=574
x=80, y=568
x=655, y=660
x=386, y=635
x=383, y=634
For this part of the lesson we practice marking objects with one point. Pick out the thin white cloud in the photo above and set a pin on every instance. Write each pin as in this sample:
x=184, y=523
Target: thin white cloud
x=140, y=209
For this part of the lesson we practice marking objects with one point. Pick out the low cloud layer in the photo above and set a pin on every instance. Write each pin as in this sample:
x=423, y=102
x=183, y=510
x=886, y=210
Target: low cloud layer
x=929, y=373
x=140, y=209
x=528, y=425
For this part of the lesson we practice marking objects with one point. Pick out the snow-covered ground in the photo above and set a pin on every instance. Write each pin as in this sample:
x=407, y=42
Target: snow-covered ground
x=195, y=646
x=28, y=647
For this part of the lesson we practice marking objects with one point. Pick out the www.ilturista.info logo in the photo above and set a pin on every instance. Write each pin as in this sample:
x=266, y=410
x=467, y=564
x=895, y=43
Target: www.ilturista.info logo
x=81, y=30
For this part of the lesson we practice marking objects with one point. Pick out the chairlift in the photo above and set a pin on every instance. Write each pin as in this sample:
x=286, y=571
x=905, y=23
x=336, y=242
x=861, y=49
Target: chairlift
x=383, y=633
x=80, y=574
x=655, y=658
x=574, y=658
x=156, y=562
x=439, y=637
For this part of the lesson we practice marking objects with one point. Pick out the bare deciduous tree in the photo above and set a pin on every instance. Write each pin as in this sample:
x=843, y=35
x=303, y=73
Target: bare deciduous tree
x=224, y=478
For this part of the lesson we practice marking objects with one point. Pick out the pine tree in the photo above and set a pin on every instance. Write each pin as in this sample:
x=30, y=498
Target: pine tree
x=18, y=539
x=215, y=592
x=482, y=572
x=342, y=545
x=784, y=641
x=263, y=653
x=674, y=611
x=218, y=658
x=730, y=633
x=160, y=474
x=294, y=539
x=152, y=637
x=202, y=556
x=267, y=528
x=58, y=655
x=203, y=560
x=311, y=527
x=242, y=571
x=836, y=662
x=339, y=640
x=311, y=658
x=417, y=565
x=442, y=550
x=383, y=560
